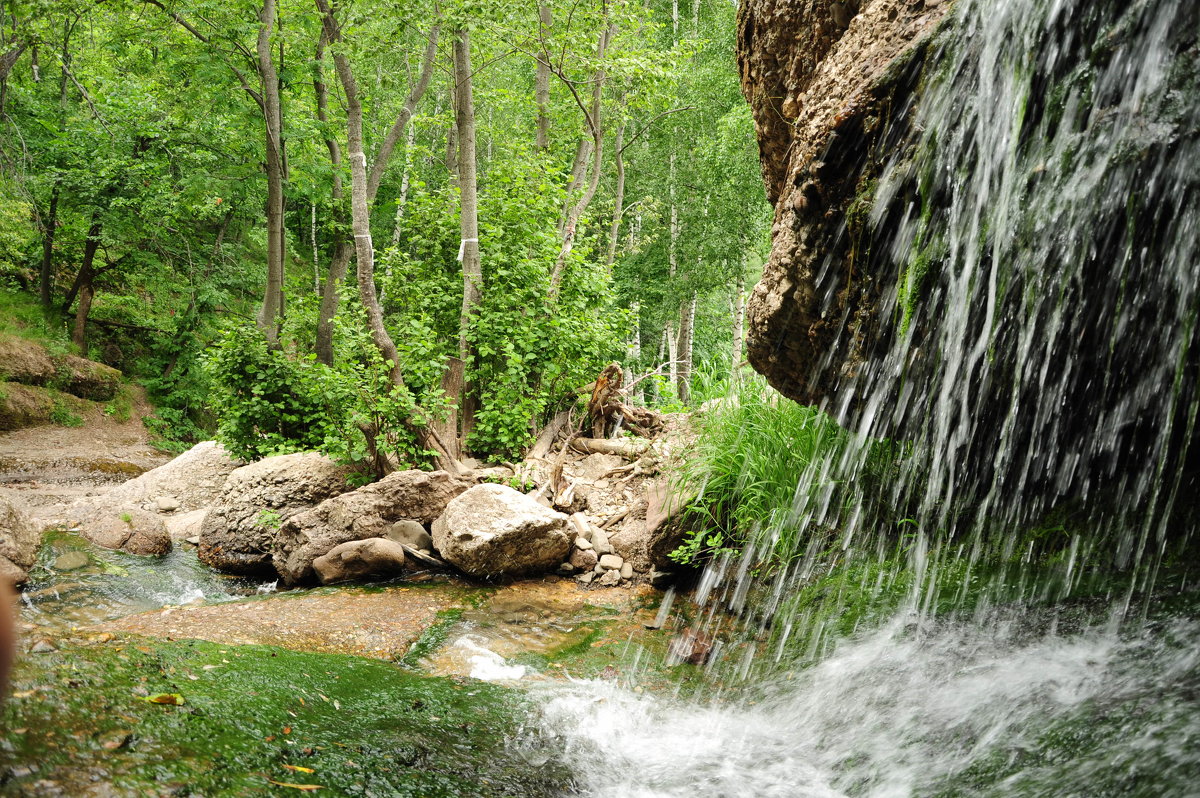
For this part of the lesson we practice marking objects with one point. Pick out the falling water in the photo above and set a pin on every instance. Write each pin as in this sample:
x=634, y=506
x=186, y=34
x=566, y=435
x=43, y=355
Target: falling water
x=1039, y=223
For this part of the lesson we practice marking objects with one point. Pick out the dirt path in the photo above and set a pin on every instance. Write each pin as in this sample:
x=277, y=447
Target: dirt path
x=43, y=469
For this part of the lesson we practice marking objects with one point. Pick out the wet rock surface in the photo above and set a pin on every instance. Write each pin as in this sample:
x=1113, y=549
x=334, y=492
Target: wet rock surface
x=822, y=79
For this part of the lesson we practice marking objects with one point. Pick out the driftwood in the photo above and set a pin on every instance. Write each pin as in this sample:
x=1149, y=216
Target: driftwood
x=609, y=415
x=545, y=439
x=630, y=450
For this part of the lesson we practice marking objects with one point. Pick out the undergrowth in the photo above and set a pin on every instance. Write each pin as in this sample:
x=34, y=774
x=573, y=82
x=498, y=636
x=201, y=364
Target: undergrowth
x=770, y=472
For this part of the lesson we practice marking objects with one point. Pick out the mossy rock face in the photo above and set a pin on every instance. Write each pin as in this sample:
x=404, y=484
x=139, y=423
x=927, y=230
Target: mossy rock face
x=29, y=363
x=254, y=719
x=88, y=379
x=24, y=406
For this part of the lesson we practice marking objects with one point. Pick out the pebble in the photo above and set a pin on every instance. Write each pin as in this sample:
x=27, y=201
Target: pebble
x=566, y=569
x=611, y=562
x=194, y=540
x=166, y=504
x=610, y=578
x=585, y=579
x=42, y=646
x=583, y=544
x=627, y=571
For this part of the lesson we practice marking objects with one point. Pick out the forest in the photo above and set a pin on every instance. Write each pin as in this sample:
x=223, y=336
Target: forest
x=395, y=232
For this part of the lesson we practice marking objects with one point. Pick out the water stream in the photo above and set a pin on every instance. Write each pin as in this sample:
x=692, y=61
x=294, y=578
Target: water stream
x=1029, y=626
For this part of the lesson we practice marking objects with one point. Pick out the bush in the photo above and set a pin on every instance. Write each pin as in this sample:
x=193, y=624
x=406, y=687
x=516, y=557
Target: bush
x=267, y=403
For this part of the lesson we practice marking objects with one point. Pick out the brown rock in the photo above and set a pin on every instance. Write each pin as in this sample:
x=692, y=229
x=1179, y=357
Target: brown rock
x=584, y=559
x=664, y=511
x=238, y=534
x=19, y=542
x=359, y=559
x=369, y=512
x=132, y=529
x=839, y=69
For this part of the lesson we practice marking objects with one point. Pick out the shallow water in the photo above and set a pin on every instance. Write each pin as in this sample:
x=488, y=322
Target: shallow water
x=948, y=709
x=114, y=584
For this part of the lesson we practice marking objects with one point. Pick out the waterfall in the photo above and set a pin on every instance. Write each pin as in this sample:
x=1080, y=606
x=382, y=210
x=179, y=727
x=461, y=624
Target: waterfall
x=1036, y=220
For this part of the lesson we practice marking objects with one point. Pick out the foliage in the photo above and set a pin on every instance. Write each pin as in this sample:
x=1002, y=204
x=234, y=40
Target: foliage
x=758, y=457
x=269, y=403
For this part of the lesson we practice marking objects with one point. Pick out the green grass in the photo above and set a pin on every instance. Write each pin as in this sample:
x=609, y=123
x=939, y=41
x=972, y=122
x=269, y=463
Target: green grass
x=757, y=459
x=252, y=715
x=22, y=316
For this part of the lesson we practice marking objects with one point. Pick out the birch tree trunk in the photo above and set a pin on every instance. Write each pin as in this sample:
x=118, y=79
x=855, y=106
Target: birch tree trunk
x=472, y=271
x=272, y=307
x=739, y=321
x=614, y=232
x=687, y=327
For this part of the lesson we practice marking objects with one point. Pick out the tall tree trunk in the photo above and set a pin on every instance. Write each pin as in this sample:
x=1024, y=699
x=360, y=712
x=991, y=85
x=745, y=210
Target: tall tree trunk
x=614, y=232
x=405, y=184
x=272, y=307
x=342, y=250
x=452, y=134
x=541, y=80
x=472, y=270
x=596, y=126
x=360, y=212
x=86, y=292
x=633, y=351
x=46, y=273
x=687, y=326
x=739, y=321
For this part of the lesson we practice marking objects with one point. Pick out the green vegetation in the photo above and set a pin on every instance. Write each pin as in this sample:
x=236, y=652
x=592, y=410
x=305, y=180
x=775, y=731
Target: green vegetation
x=758, y=460
x=611, y=195
x=252, y=719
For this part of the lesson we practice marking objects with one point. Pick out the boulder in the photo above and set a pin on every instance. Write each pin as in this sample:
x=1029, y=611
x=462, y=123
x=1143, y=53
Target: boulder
x=19, y=542
x=187, y=525
x=664, y=530
x=130, y=529
x=492, y=530
x=358, y=559
x=88, y=379
x=370, y=512
x=190, y=482
x=239, y=531
x=24, y=406
x=410, y=533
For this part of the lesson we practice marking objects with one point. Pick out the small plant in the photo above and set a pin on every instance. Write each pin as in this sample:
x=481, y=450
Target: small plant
x=268, y=519
x=63, y=416
x=516, y=483
x=120, y=409
x=127, y=518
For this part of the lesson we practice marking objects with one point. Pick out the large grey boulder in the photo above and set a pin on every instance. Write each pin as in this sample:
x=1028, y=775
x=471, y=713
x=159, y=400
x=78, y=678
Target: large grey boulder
x=190, y=482
x=239, y=531
x=492, y=530
x=369, y=512
x=19, y=543
x=130, y=529
x=359, y=559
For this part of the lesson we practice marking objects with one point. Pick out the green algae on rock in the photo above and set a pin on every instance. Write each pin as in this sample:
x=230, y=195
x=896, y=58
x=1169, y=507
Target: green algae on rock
x=255, y=716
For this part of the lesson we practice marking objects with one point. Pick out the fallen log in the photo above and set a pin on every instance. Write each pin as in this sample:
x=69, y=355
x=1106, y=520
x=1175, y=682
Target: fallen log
x=630, y=450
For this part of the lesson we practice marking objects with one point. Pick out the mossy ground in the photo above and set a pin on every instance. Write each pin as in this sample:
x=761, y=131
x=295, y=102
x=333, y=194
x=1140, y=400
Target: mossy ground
x=78, y=716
